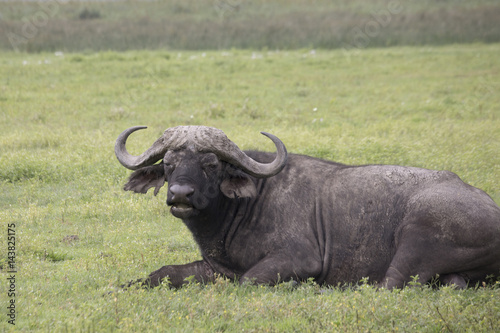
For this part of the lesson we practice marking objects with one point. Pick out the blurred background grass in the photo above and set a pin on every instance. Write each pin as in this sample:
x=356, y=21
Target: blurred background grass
x=255, y=24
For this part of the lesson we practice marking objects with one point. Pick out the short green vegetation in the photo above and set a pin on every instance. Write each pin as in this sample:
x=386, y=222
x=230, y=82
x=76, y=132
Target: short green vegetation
x=78, y=235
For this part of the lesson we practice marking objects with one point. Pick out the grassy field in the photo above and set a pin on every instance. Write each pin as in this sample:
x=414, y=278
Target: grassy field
x=78, y=235
x=56, y=25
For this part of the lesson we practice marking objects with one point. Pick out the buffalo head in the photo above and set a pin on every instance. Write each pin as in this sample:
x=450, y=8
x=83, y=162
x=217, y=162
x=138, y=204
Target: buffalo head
x=199, y=163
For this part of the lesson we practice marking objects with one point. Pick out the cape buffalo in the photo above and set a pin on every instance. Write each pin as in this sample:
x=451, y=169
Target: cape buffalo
x=270, y=217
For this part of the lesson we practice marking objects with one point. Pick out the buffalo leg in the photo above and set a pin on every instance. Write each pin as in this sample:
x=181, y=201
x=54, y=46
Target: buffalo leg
x=277, y=268
x=416, y=256
x=411, y=260
x=177, y=274
x=395, y=278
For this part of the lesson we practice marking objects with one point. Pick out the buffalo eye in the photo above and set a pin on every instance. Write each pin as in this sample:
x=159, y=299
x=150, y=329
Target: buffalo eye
x=210, y=163
x=168, y=168
x=168, y=163
x=211, y=166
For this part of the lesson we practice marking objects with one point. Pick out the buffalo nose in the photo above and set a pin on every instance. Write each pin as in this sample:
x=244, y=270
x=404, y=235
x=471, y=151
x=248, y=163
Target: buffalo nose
x=180, y=192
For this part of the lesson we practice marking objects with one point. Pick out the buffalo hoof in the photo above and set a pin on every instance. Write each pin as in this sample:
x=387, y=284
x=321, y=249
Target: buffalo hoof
x=453, y=280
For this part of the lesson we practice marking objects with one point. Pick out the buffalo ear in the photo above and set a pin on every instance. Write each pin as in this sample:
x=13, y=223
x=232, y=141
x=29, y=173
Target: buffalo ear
x=140, y=181
x=238, y=185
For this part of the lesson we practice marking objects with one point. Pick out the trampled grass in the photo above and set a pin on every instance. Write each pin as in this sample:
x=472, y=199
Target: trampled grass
x=78, y=235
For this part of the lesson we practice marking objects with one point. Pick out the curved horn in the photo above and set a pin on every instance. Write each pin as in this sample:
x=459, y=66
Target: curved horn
x=149, y=157
x=203, y=139
x=239, y=159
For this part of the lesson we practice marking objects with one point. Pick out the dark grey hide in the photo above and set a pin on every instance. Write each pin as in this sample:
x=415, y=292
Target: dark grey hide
x=323, y=220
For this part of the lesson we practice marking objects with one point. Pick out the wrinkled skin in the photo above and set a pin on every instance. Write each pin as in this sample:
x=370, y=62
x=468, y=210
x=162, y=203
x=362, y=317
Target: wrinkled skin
x=327, y=221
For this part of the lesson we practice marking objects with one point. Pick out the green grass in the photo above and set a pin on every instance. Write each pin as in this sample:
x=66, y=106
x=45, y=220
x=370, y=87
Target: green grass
x=432, y=107
x=224, y=24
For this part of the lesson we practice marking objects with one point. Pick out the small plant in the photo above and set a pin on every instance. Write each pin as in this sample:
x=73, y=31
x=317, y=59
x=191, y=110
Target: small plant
x=414, y=282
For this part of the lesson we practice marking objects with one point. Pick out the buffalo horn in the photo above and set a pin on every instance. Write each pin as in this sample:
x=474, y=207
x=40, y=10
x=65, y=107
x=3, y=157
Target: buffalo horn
x=149, y=157
x=203, y=139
